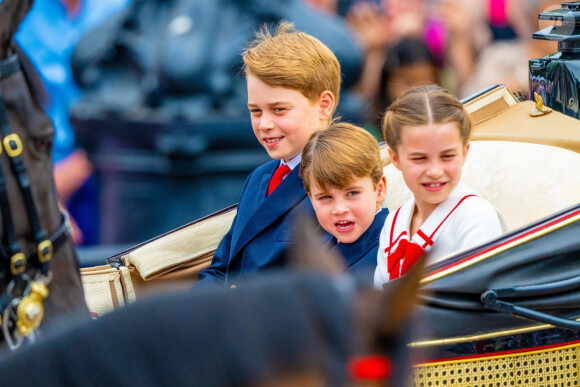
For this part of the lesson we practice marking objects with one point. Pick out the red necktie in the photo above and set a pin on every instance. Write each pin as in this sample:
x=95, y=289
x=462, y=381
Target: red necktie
x=408, y=250
x=279, y=175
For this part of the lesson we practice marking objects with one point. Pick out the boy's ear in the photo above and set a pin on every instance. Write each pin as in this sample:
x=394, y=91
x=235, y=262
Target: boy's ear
x=382, y=189
x=326, y=103
x=394, y=159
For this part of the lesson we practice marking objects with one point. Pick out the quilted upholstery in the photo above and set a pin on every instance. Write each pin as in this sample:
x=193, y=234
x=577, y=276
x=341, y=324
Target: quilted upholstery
x=525, y=181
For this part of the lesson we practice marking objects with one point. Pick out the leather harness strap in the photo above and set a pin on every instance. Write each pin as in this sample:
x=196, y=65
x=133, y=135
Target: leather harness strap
x=12, y=144
x=9, y=66
x=57, y=239
x=17, y=323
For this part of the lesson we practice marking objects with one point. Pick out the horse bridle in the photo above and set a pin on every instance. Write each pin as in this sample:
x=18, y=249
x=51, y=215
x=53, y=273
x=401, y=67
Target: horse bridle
x=21, y=315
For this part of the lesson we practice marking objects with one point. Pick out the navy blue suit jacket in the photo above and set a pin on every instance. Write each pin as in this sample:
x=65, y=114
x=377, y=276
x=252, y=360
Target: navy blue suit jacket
x=361, y=255
x=262, y=229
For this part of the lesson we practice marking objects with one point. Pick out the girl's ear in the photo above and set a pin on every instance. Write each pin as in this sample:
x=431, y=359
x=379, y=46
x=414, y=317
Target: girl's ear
x=382, y=189
x=465, y=150
x=326, y=103
x=394, y=159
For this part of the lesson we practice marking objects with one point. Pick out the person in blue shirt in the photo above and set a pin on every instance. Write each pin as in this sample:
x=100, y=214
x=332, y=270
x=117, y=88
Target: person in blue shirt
x=48, y=36
x=343, y=176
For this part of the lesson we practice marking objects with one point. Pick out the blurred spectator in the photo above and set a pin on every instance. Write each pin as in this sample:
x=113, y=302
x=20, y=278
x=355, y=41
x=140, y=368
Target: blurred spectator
x=328, y=6
x=458, y=31
x=506, y=61
x=48, y=36
x=499, y=20
x=432, y=41
x=409, y=63
x=453, y=30
x=377, y=27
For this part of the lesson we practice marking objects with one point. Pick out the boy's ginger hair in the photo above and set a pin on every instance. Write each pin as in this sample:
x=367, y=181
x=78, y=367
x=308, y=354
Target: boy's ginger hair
x=424, y=105
x=336, y=156
x=293, y=60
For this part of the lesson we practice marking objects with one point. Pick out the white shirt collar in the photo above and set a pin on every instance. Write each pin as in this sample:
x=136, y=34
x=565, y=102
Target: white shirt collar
x=294, y=162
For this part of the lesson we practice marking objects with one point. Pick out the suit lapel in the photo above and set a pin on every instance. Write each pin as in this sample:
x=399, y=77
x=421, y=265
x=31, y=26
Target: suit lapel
x=289, y=193
x=354, y=252
x=256, y=194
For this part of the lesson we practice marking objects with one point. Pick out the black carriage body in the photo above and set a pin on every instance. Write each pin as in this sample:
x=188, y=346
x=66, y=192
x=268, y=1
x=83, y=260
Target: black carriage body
x=461, y=341
x=557, y=79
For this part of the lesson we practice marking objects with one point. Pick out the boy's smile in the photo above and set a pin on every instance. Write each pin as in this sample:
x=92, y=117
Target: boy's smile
x=430, y=158
x=348, y=212
x=271, y=142
x=283, y=119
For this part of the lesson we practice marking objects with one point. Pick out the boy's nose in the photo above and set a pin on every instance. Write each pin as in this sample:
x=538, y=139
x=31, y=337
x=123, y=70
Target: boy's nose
x=339, y=208
x=265, y=122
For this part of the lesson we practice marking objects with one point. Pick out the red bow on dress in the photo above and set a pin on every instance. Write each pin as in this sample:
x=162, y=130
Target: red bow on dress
x=411, y=252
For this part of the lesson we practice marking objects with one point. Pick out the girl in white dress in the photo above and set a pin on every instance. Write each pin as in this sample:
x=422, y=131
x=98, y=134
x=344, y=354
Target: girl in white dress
x=427, y=130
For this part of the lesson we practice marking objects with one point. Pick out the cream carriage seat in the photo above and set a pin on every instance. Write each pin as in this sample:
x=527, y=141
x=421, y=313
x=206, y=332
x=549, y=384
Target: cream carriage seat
x=525, y=181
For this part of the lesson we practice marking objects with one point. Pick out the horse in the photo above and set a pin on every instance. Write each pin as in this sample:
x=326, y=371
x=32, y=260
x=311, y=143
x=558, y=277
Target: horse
x=37, y=255
x=308, y=343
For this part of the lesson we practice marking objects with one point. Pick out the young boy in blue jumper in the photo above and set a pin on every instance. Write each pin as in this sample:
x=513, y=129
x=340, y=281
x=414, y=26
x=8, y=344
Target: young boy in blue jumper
x=343, y=176
x=293, y=88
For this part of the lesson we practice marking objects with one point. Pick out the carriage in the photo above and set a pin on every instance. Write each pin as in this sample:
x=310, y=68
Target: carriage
x=504, y=313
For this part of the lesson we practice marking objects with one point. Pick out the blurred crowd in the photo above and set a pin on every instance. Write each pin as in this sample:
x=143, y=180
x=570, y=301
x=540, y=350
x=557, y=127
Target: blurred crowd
x=463, y=45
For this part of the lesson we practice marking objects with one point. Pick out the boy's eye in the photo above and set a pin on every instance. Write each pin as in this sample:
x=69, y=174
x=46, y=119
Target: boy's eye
x=448, y=157
x=255, y=111
x=279, y=110
x=353, y=193
x=418, y=158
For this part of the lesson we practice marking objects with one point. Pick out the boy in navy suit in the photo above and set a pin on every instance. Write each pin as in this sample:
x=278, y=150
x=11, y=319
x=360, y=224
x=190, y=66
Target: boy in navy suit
x=293, y=88
x=343, y=176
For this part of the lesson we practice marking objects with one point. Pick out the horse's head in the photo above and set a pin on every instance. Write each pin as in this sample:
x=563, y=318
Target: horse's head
x=24, y=118
x=11, y=14
x=381, y=318
x=31, y=223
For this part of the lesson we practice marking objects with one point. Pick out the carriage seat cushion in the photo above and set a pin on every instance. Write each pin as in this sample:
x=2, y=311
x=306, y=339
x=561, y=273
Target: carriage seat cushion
x=525, y=181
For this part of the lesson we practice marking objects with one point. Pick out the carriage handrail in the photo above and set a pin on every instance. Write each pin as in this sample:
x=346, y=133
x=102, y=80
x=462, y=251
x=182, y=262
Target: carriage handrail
x=490, y=300
x=479, y=93
x=539, y=289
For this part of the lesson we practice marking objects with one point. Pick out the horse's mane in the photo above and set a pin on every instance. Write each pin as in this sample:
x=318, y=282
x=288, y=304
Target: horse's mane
x=276, y=325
